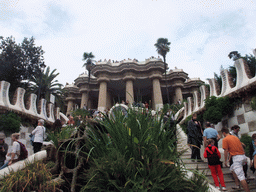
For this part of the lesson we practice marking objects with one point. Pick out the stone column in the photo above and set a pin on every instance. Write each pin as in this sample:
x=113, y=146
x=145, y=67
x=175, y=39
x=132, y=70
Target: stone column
x=109, y=100
x=158, y=100
x=70, y=106
x=84, y=100
x=102, y=103
x=129, y=91
x=178, y=94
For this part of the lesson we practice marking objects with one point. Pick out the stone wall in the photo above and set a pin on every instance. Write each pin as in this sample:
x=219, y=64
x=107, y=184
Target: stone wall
x=31, y=109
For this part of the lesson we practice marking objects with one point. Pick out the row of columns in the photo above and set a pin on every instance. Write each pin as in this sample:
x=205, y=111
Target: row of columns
x=104, y=97
x=157, y=94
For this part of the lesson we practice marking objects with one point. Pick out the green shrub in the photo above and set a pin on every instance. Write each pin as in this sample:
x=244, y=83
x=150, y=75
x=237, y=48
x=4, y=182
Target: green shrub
x=253, y=103
x=137, y=154
x=115, y=173
x=246, y=139
x=213, y=115
x=33, y=178
x=65, y=133
x=217, y=108
x=10, y=123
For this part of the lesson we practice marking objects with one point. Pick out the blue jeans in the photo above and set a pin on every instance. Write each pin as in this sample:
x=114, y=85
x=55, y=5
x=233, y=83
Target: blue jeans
x=2, y=163
x=5, y=165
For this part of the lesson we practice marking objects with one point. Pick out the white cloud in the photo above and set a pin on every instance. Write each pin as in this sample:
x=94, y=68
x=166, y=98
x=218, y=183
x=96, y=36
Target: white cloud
x=202, y=32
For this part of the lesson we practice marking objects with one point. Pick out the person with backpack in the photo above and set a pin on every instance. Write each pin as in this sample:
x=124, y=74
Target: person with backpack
x=39, y=133
x=213, y=155
x=14, y=154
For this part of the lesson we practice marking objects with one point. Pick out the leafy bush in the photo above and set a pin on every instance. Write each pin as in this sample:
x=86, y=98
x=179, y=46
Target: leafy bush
x=10, y=123
x=65, y=133
x=253, y=103
x=246, y=139
x=213, y=115
x=33, y=178
x=217, y=108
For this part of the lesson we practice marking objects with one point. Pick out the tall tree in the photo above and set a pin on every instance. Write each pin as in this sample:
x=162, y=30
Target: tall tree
x=162, y=48
x=234, y=55
x=89, y=62
x=87, y=57
x=47, y=85
x=18, y=62
x=251, y=62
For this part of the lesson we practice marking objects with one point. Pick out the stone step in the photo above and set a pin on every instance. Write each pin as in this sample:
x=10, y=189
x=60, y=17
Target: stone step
x=189, y=161
x=202, y=167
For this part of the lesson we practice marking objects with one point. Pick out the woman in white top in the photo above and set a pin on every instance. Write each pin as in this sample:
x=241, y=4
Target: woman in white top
x=13, y=156
x=39, y=133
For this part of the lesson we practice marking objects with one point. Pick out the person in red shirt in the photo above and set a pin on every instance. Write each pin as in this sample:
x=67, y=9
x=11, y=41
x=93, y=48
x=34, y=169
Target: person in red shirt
x=231, y=144
x=213, y=155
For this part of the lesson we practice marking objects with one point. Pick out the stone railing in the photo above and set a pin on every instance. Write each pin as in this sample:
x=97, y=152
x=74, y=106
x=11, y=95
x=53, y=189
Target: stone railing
x=45, y=111
x=243, y=82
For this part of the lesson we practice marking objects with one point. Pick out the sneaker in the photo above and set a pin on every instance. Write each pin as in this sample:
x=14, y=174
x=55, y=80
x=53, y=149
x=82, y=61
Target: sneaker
x=224, y=189
x=192, y=160
x=200, y=160
x=236, y=187
x=217, y=187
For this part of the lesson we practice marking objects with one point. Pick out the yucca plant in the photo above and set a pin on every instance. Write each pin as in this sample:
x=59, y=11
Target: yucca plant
x=138, y=153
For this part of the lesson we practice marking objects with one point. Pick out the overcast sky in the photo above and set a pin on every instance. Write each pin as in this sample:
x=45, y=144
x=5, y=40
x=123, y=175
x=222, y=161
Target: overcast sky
x=201, y=32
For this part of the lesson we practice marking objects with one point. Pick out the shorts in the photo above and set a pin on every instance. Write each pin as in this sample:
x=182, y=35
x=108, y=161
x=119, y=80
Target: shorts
x=237, y=166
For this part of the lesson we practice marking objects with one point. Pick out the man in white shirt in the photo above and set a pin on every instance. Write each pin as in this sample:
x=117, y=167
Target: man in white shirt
x=39, y=133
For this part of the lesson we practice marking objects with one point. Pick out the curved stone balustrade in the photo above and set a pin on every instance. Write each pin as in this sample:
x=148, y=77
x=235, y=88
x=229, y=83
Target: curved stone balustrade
x=196, y=104
x=46, y=112
x=243, y=80
x=22, y=164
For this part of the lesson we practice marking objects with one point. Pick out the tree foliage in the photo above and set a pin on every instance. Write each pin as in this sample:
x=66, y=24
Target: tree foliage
x=218, y=79
x=234, y=55
x=162, y=48
x=217, y=108
x=251, y=62
x=19, y=61
x=47, y=85
x=10, y=123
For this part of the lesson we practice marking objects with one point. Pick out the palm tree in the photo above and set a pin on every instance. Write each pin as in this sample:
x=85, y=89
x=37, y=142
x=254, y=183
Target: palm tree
x=87, y=57
x=162, y=48
x=45, y=85
x=234, y=54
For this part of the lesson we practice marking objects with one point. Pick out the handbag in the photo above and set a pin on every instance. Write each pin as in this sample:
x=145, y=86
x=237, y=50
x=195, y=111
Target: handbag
x=32, y=137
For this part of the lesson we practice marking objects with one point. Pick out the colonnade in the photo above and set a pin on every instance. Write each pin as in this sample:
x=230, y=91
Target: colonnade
x=104, y=98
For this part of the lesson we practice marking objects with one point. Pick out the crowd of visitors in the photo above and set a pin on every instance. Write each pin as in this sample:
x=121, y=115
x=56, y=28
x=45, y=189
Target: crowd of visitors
x=234, y=152
x=18, y=151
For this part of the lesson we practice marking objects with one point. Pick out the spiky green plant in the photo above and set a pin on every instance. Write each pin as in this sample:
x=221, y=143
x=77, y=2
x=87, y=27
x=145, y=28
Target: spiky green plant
x=138, y=153
x=35, y=177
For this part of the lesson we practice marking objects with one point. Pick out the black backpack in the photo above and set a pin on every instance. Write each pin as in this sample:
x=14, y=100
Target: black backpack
x=23, y=152
x=213, y=159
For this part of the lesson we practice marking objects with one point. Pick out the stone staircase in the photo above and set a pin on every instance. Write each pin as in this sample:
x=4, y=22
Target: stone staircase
x=203, y=168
